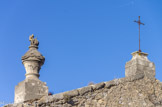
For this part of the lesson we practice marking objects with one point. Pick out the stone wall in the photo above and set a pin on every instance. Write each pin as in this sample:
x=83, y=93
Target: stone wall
x=135, y=91
x=138, y=89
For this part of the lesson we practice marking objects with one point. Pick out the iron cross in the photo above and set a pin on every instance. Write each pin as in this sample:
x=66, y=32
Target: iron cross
x=139, y=23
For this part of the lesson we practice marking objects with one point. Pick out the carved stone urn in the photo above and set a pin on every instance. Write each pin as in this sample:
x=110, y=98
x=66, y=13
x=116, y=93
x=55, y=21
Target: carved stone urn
x=33, y=60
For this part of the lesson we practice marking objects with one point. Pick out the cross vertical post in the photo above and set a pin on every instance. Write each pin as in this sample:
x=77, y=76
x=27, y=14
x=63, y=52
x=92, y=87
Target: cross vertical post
x=139, y=23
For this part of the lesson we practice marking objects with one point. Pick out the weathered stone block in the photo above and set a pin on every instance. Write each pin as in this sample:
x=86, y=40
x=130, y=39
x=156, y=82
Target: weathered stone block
x=29, y=90
x=85, y=90
x=98, y=86
x=139, y=65
x=72, y=93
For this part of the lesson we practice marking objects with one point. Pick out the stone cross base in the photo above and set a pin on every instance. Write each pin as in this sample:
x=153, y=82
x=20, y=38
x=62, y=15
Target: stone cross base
x=29, y=90
x=139, y=65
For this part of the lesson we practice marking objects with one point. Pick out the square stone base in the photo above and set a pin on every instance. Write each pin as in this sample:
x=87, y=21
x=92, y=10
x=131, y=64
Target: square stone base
x=30, y=90
x=140, y=65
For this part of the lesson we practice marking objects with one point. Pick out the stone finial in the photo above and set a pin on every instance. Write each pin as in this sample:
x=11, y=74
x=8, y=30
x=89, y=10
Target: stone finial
x=139, y=65
x=33, y=42
x=33, y=60
x=31, y=88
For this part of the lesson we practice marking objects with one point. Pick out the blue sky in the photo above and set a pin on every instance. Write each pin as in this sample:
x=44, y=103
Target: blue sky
x=82, y=40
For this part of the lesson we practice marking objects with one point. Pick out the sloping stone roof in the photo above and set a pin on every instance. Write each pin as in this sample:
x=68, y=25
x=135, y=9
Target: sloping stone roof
x=133, y=91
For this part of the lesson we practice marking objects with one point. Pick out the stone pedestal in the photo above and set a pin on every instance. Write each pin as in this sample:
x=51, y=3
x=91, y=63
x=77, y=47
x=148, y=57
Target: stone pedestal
x=139, y=65
x=31, y=88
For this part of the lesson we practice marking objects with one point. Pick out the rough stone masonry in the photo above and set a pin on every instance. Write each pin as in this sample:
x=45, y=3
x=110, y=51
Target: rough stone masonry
x=139, y=88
